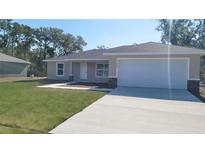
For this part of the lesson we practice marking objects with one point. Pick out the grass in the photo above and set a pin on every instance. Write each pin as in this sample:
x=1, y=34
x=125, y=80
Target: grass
x=10, y=130
x=24, y=108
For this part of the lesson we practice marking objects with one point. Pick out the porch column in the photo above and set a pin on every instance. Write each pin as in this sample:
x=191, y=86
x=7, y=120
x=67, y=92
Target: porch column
x=112, y=68
x=112, y=74
x=70, y=72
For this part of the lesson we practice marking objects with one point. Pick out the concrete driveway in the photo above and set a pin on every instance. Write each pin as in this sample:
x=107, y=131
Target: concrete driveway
x=139, y=110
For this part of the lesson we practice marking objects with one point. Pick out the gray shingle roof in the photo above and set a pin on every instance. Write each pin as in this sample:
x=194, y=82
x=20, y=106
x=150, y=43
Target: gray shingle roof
x=144, y=47
x=90, y=54
x=7, y=58
x=153, y=46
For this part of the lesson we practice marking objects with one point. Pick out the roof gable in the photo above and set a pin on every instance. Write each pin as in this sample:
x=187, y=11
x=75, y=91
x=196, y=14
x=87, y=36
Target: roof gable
x=7, y=58
x=154, y=47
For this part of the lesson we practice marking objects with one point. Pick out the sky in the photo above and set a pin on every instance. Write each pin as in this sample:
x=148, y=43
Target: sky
x=110, y=33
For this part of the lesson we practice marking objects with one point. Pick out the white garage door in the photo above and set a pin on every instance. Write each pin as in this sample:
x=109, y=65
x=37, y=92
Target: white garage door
x=156, y=73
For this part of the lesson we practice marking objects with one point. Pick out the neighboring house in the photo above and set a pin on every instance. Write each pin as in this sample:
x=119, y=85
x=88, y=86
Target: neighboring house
x=12, y=66
x=143, y=65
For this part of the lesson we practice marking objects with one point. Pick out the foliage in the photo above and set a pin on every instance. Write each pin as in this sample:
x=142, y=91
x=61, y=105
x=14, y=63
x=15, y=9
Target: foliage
x=184, y=32
x=102, y=47
x=36, y=44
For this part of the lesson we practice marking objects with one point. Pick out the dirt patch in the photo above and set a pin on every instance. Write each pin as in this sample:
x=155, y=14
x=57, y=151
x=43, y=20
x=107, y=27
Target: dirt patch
x=13, y=79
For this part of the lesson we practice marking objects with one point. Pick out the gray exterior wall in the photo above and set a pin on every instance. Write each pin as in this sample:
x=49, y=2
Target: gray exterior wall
x=13, y=69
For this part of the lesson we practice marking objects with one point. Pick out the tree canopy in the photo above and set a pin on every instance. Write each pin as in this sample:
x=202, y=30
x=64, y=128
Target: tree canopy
x=184, y=32
x=37, y=44
x=102, y=47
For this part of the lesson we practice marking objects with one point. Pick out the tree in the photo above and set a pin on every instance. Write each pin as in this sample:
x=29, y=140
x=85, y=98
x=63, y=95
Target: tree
x=44, y=40
x=181, y=32
x=66, y=44
x=37, y=44
x=22, y=40
x=53, y=41
x=189, y=33
x=78, y=44
x=200, y=33
x=5, y=27
x=102, y=47
x=15, y=39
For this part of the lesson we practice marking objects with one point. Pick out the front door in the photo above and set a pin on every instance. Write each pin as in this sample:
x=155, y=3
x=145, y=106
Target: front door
x=83, y=71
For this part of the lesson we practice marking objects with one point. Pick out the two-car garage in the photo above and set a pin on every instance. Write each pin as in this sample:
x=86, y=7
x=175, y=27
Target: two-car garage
x=153, y=72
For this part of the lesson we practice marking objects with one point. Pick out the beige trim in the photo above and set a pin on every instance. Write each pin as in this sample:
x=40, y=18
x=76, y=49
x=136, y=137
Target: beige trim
x=153, y=53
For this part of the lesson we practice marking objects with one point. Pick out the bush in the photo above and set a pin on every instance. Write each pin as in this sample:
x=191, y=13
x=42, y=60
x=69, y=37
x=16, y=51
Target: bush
x=38, y=71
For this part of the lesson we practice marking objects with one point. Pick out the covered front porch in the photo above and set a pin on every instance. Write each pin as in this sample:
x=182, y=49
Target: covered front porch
x=83, y=70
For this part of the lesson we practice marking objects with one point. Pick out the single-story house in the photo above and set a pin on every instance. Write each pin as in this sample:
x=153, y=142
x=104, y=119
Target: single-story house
x=12, y=66
x=149, y=64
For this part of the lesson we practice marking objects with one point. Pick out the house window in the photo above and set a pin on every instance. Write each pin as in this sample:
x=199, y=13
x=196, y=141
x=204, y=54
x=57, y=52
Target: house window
x=60, y=69
x=102, y=70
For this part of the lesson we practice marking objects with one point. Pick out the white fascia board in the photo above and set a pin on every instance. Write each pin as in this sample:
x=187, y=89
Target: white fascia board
x=85, y=59
x=64, y=60
x=112, y=76
x=152, y=53
x=54, y=60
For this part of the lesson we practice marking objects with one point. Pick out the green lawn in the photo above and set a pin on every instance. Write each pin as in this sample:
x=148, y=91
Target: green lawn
x=25, y=108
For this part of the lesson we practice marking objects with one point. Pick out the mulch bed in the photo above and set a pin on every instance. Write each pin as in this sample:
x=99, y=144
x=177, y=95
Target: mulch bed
x=44, y=81
x=88, y=85
x=201, y=96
